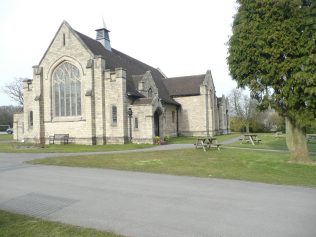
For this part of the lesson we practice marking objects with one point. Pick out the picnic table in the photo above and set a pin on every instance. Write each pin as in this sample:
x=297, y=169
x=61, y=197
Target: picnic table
x=278, y=134
x=310, y=137
x=207, y=142
x=252, y=138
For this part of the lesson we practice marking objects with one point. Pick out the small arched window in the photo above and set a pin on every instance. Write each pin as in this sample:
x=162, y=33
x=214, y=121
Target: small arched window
x=31, y=119
x=136, y=123
x=150, y=92
x=64, y=39
x=66, y=90
x=114, y=115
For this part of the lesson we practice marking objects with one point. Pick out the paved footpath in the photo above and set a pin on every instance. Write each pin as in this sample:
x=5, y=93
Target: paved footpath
x=148, y=205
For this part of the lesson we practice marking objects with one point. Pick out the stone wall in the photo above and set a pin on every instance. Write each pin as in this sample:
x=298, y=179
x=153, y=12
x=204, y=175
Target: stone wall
x=144, y=132
x=170, y=120
x=223, y=116
x=192, y=116
x=74, y=52
x=18, y=127
x=115, y=91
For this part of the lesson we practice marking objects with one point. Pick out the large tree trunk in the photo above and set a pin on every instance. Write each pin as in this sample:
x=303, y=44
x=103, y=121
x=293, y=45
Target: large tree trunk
x=296, y=142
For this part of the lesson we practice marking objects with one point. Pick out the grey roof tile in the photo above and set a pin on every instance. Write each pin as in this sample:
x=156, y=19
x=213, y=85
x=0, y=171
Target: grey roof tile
x=184, y=86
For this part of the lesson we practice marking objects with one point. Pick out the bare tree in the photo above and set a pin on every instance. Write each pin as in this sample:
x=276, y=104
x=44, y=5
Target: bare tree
x=14, y=90
x=242, y=107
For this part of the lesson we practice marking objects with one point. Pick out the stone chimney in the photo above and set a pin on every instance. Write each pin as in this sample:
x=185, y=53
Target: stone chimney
x=103, y=37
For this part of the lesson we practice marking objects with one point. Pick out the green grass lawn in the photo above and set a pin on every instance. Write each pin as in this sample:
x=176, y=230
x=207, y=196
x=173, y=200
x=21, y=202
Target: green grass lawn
x=269, y=141
x=260, y=166
x=18, y=147
x=24, y=226
x=6, y=137
x=8, y=145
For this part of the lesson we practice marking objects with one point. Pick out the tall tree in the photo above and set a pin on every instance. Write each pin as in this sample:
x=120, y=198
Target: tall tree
x=14, y=90
x=273, y=52
x=242, y=107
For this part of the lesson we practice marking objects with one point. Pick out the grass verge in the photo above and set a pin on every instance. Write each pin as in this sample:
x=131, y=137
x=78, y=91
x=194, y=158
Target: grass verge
x=14, y=147
x=8, y=145
x=24, y=226
x=259, y=166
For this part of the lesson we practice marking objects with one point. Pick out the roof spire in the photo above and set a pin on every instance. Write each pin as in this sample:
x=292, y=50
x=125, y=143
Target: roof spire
x=103, y=36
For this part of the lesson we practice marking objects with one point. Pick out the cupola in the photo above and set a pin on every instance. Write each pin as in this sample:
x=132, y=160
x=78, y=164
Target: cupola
x=103, y=37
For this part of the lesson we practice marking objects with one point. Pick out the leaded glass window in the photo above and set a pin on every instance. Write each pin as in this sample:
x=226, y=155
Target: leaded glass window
x=66, y=90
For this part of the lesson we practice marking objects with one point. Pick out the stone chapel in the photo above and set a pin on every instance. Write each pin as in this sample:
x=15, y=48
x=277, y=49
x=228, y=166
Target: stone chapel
x=98, y=95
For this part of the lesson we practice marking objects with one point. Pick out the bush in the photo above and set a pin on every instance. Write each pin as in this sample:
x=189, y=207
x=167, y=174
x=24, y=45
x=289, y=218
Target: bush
x=166, y=138
x=157, y=140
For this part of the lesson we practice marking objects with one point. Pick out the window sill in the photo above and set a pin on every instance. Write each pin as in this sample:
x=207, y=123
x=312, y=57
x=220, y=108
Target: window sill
x=67, y=119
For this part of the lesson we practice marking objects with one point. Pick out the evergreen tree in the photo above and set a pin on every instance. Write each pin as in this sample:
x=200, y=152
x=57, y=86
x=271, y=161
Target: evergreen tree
x=273, y=52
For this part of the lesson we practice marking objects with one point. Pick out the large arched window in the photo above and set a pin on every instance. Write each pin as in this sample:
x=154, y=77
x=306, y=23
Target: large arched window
x=66, y=90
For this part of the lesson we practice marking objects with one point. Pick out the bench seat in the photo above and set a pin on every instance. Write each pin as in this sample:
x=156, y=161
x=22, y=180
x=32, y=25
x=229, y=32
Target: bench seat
x=62, y=138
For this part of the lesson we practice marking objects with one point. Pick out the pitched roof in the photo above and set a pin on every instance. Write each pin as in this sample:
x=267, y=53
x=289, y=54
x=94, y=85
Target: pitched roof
x=136, y=79
x=143, y=101
x=184, y=86
x=116, y=59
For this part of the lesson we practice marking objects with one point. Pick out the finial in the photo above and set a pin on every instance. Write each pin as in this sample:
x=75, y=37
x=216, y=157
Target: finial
x=104, y=25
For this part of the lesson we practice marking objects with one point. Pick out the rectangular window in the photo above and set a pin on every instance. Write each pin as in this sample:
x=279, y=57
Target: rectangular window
x=136, y=123
x=141, y=86
x=173, y=116
x=114, y=115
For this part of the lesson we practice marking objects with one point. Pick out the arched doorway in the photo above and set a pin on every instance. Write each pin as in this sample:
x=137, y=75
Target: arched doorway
x=156, y=123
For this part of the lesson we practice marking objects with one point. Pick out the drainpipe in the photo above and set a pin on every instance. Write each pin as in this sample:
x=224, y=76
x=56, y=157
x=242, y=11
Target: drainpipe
x=177, y=109
x=227, y=121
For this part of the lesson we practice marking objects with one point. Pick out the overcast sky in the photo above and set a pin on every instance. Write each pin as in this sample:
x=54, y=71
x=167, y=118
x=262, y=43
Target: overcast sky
x=181, y=37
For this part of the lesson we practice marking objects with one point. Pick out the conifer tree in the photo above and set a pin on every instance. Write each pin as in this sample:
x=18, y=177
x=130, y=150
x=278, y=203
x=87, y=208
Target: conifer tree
x=273, y=52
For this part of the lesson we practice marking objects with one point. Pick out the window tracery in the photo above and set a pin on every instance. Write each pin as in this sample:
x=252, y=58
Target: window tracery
x=66, y=90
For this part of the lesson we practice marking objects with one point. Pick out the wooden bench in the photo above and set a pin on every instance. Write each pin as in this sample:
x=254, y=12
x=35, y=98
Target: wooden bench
x=62, y=138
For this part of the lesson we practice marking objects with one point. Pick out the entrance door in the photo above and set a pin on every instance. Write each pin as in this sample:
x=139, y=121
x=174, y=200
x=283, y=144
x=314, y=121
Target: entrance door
x=156, y=122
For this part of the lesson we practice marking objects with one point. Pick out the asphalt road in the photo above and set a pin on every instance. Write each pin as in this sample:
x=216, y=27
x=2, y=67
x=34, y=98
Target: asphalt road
x=147, y=205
